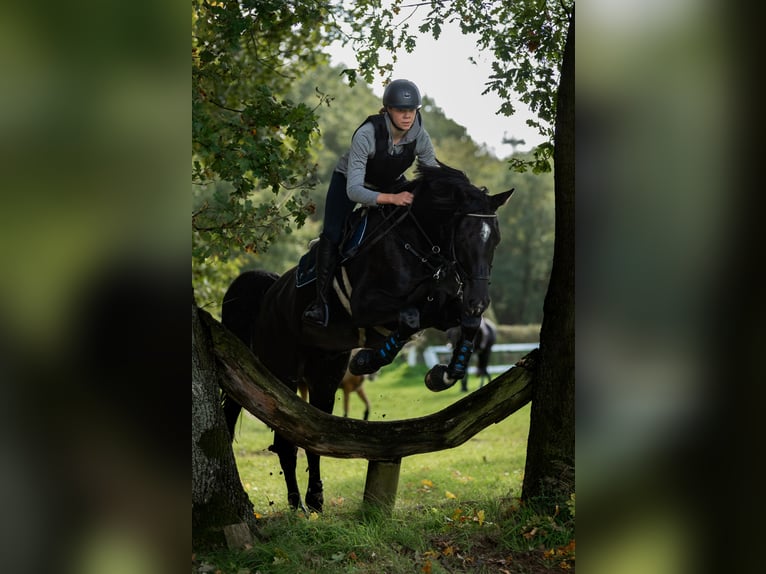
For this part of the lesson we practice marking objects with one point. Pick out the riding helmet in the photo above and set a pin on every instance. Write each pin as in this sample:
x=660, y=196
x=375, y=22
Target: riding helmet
x=402, y=94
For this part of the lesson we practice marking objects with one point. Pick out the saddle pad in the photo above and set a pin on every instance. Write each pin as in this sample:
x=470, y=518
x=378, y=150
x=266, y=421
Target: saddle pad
x=306, y=271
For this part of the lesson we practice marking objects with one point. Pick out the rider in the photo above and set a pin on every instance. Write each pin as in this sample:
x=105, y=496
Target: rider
x=382, y=149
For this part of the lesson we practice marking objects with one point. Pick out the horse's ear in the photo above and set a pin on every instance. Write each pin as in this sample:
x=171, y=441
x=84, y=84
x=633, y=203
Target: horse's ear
x=500, y=199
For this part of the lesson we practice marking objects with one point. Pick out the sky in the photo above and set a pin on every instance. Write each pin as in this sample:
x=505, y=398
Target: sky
x=442, y=71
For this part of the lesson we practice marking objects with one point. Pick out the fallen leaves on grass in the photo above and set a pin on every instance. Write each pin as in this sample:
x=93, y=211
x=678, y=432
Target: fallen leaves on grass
x=459, y=517
x=563, y=556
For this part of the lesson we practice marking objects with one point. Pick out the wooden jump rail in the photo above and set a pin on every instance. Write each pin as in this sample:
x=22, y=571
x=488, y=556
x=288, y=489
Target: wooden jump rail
x=383, y=444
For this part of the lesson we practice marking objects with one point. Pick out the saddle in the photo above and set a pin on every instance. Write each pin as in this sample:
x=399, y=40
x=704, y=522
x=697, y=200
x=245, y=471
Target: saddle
x=356, y=226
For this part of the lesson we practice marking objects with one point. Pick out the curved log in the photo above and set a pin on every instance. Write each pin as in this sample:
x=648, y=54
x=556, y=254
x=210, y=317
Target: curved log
x=248, y=381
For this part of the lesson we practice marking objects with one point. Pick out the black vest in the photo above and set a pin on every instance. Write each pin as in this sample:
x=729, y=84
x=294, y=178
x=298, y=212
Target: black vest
x=383, y=169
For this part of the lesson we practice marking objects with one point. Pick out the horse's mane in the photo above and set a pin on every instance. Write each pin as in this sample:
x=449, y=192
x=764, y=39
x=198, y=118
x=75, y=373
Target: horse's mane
x=445, y=189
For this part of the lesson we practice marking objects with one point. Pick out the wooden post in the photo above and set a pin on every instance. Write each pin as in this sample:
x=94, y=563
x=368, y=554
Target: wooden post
x=381, y=484
x=238, y=536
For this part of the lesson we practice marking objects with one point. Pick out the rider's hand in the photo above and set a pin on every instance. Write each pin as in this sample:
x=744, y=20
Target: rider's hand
x=401, y=198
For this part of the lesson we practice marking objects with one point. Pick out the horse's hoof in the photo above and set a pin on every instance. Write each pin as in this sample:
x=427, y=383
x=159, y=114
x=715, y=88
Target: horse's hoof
x=362, y=363
x=294, y=500
x=437, y=380
x=315, y=499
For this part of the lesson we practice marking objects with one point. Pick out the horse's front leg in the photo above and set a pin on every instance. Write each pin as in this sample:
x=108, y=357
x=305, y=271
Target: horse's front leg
x=442, y=377
x=367, y=361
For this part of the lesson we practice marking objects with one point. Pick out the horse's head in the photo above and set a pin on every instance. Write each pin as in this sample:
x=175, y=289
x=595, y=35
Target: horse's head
x=444, y=194
x=476, y=235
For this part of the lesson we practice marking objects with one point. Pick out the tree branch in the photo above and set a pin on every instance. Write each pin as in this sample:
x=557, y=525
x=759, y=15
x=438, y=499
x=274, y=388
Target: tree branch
x=257, y=390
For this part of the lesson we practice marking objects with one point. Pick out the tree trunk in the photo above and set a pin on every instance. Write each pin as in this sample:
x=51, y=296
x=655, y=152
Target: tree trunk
x=549, y=473
x=218, y=499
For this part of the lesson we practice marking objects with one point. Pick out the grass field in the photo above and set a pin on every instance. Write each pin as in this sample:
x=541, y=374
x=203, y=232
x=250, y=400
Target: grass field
x=457, y=510
x=491, y=463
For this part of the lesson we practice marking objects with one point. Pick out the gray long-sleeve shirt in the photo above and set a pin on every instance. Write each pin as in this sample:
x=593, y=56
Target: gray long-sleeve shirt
x=353, y=164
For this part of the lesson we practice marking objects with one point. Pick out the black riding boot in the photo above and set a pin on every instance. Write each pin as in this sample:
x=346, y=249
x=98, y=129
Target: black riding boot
x=327, y=254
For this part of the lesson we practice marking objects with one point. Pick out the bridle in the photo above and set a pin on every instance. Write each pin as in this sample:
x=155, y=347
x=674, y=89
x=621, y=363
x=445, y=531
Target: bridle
x=440, y=271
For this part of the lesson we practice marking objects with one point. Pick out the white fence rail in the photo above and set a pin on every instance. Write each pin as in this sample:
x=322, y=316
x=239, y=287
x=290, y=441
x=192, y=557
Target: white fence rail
x=441, y=354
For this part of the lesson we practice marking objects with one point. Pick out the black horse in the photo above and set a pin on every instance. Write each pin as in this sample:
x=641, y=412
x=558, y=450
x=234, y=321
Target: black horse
x=486, y=336
x=427, y=265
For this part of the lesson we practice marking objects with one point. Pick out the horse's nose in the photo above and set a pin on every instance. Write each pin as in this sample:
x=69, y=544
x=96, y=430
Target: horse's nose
x=476, y=308
x=476, y=303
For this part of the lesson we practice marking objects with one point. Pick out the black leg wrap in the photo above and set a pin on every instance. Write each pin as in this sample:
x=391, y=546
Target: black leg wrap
x=459, y=363
x=368, y=361
x=390, y=349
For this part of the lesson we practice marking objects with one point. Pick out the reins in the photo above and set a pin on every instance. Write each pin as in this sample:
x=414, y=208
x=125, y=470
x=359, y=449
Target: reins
x=373, y=238
x=435, y=250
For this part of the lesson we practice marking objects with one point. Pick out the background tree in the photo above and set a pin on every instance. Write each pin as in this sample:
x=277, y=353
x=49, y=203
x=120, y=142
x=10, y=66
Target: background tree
x=246, y=135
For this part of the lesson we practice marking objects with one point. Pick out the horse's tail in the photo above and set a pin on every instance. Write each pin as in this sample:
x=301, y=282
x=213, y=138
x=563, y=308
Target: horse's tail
x=242, y=303
x=239, y=311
